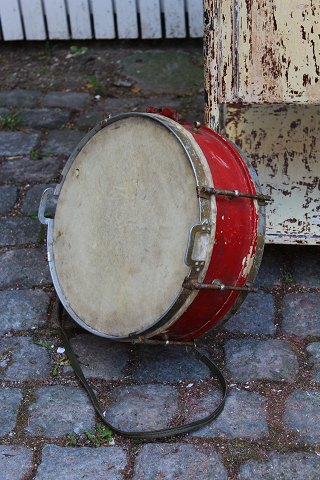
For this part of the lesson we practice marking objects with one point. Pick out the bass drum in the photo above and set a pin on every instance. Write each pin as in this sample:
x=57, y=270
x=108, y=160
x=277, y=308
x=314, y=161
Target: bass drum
x=158, y=229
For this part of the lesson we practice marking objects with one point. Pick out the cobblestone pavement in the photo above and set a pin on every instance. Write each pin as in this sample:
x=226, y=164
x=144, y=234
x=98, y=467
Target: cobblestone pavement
x=269, y=350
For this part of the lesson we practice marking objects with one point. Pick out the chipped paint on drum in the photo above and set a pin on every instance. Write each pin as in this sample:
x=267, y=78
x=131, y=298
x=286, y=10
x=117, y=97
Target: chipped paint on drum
x=283, y=142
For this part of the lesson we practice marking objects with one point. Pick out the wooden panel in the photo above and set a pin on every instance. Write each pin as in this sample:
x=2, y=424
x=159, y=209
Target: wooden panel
x=175, y=22
x=103, y=18
x=56, y=16
x=127, y=20
x=273, y=53
x=11, y=20
x=195, y=17
x=33, y=19
x=150, y=18
x=284, y=143
x=79, y=19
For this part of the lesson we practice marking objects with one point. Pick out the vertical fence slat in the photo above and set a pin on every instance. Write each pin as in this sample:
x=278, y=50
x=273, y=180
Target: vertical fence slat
x=175, y=22
x=195, y=16
x=150, y=18
x=103, y=18
x=127, y=20
x=80, y=19
x=33, y=20
x=11, y=20
x=56, y=16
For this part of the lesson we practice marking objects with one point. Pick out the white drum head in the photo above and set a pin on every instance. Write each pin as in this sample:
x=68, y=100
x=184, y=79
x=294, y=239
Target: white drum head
x=121, y=226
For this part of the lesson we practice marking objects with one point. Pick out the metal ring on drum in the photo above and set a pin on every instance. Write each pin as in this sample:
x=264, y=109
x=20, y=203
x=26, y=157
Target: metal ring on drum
x=149, y=239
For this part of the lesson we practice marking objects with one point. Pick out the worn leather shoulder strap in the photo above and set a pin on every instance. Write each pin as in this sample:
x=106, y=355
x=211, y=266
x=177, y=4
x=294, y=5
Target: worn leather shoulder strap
x=151, y=434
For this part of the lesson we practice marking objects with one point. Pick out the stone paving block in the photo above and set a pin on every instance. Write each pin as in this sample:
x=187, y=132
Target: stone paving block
x=21, y=359
x=306, y=266
x=15, y=462
x=22, y=309
x=314, y=358
x=20, y=98
x=244, y=416
x=17, y=143
x=44, y=118
x=70, y=100
x=168, y=364
x=88, y=120
x=26, y=267
x=178, y=461
x=67, y=463
x=8, y=197
x=62, y=142
x=19, y=231
x=100, y=357
x=301, y=314
x=10, y=400
x=58, y=411
x=255, y=316
x=143, y=407
x=27, y=170
x=250, y=360
x=270, y=271
x=302, y=415
x=32, y=199
x=3, y=111
x=286, y=466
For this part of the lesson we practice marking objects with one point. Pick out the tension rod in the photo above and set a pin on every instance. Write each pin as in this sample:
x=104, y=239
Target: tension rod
x=193, y=285
x=206, y=192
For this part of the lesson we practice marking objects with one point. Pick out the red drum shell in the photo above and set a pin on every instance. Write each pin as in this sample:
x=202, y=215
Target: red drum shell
x=239, y=241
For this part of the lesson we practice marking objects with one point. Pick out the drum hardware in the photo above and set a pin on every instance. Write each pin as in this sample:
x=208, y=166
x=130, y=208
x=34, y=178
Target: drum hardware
x=215, y=285
x=206, y=192
x=200, y=228
x=196, y=126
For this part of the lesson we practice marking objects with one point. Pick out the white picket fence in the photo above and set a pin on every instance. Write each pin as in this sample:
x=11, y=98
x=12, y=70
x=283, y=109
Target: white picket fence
x=100, y=19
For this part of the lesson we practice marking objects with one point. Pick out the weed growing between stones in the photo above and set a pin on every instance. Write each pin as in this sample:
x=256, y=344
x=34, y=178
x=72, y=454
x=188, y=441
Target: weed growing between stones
x=10, y=121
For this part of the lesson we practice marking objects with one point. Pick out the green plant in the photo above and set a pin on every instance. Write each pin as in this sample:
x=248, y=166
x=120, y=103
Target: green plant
x=32, y=215
x=35, y=154
x=57, y=366
x=43, y=344
x=11, y=120
x=287, y=278
x=102, y=435
x=94, y=85
x=74, y=50
x=71, y=440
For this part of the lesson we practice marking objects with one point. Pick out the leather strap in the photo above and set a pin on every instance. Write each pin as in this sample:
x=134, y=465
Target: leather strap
x=151, y=434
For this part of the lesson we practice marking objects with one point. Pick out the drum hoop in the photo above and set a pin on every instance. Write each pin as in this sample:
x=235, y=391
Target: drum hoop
x=207, y=214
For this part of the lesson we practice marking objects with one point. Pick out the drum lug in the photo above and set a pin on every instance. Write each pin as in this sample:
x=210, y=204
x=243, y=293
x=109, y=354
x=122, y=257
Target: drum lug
x=215, y=285
x=203, y=228
x=47, y=194
x=206, y=192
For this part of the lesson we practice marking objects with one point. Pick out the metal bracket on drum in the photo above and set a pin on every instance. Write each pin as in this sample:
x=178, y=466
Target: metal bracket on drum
x=200, y=228
x=206, y=192
x=49, y=192
x=215, y=285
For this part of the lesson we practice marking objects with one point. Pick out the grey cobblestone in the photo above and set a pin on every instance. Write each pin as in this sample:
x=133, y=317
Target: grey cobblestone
x=10, y=400
x=19, y=230
x=21, y=359
x=168, y=364
x=17, y=143
x=100, y=358
x=27, y=170
x=270, y=271
x=3, y=111
x=314, y=358
x=15, y=462
x=62, y=142
x=178, y=461
x=255, y=316
x=287, y=466
x=32, y=199
x=19, y=98
x=104, y=463
x=70, y=100
x=244, y=416
x=301, y=314
x=143, y=407
x=306, y=267
x=22, y=309
x=58, y=411
x=250, y=360
x=302, y=415
x=88, y=120
x=8, y=197
x=24, y=268
x=44, y=118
